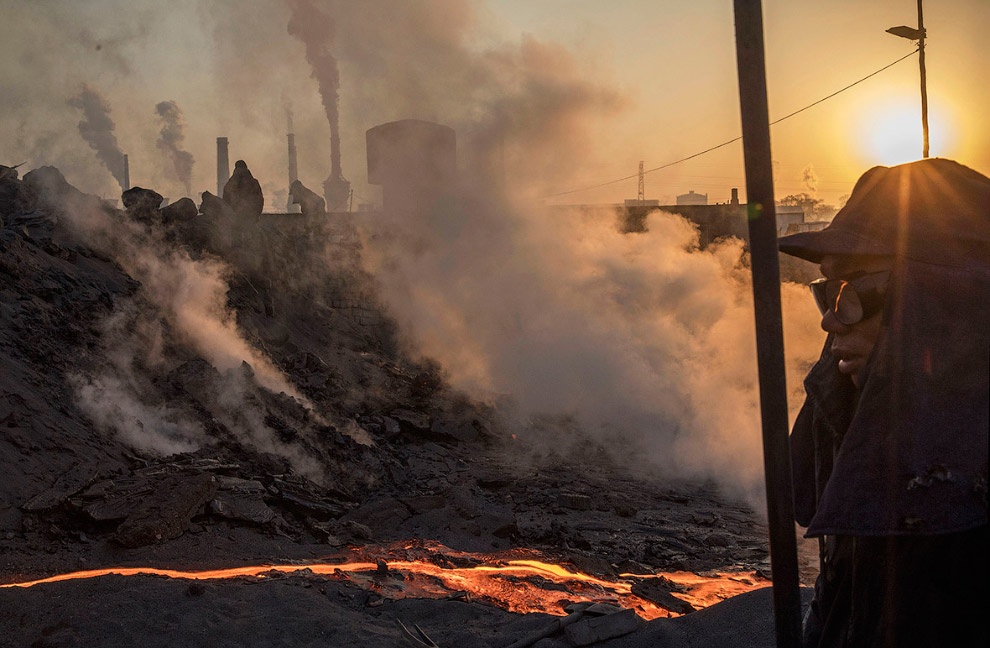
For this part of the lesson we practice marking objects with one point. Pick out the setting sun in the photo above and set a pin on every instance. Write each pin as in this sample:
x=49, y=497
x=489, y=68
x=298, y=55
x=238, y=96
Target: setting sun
x=891, y=132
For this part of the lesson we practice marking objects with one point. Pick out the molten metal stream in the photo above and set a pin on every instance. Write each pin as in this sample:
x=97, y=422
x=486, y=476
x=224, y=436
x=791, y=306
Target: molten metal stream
x=518, y=585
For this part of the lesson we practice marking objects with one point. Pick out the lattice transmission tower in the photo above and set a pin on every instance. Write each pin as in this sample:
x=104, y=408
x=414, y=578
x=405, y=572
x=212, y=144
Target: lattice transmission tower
x=642, y=184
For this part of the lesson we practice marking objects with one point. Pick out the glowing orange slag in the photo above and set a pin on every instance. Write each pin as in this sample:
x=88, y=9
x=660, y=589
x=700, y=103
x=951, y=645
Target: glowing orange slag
x=506, y=580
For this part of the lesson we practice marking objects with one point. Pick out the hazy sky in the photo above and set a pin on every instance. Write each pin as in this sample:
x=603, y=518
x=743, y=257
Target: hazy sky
x=233, y=69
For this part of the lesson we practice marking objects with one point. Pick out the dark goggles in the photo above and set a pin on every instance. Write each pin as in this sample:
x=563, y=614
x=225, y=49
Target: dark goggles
x=852, y=299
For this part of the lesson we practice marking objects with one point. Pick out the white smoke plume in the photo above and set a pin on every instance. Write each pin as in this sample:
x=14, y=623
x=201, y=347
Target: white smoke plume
x=113, y=398
x=97, y=129
x=641, y=338
x=170, y=142
x=185, y=300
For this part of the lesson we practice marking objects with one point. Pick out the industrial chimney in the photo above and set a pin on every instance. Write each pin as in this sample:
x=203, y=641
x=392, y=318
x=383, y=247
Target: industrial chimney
x=293, y=174
x=127, y=173
x=223, y=165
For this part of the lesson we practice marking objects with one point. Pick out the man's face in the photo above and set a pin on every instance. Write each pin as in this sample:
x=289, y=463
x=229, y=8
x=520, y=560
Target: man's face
x=852, y=344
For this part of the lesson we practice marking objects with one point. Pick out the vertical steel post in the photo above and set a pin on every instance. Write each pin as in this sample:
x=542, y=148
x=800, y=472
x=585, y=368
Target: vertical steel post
x=924, y=87
x=769, y=327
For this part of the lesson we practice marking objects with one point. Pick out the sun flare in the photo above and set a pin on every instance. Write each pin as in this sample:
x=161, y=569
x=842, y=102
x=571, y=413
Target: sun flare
x=892, y=134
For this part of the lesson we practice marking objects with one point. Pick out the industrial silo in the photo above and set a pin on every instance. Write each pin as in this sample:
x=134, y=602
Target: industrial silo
x=414, y=161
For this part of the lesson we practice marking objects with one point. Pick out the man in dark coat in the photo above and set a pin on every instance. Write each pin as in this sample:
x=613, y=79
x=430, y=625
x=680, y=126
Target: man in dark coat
x=889, y=452
x=243, y=192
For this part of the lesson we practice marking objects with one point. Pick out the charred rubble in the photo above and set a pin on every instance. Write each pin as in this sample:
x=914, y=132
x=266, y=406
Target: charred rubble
x=382, y=450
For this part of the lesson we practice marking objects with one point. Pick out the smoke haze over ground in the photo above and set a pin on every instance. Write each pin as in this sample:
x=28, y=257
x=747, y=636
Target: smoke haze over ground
x=641, y=336
x=645, y=340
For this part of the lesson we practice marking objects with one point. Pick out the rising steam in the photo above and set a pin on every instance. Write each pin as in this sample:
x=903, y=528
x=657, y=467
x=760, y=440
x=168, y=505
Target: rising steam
x=170, y=142
x=97, y=129
x=645, y=340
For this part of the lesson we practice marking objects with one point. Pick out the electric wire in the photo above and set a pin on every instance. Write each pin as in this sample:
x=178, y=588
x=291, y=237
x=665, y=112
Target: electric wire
x=734, y=139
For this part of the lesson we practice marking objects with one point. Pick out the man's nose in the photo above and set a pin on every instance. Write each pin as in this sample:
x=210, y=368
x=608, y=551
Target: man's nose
x=832, y=325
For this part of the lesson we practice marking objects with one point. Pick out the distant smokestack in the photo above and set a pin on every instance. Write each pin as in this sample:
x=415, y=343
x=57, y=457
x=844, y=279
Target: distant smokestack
x=293, y=174
x=127, y=173
x=735, y=196
x=223, y=165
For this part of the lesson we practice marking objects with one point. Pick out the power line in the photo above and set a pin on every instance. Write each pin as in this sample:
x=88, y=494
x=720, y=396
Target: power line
x=735, y=139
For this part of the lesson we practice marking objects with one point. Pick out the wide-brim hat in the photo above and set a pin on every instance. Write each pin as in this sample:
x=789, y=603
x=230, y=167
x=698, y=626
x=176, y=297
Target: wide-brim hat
x=934, y=210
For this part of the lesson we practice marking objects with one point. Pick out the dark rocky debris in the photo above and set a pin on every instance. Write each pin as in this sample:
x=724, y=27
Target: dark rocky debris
x=375, y=447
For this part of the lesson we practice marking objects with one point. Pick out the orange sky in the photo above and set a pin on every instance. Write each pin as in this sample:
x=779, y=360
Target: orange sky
x=678, y=59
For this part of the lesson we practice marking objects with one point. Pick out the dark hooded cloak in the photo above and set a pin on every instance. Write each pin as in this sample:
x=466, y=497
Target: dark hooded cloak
x=906, y=453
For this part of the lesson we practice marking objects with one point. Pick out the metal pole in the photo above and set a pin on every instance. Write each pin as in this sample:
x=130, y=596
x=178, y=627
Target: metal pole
x=769, y=327
x=924, y=88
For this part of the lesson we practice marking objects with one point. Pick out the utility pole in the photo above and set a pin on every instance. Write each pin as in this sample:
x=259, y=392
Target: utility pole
x=924, y=85
x=919, y=35
x=769, y=325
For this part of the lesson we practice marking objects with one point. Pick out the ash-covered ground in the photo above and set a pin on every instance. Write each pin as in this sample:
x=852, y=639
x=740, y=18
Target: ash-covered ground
x=206, y=387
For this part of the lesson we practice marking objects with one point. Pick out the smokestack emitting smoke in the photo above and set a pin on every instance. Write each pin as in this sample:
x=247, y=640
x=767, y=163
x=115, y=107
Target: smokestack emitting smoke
x=97, y=129
x=170, y=140
x=316, y=30
x=127, y=173
x=223, y=165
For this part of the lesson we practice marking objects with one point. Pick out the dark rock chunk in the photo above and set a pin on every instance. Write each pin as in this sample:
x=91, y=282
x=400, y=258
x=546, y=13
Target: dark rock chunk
x=457, y=430
x=52, y=187
x=142, y=205
x=391, y=427
x=386, y=513
x=243, y=193
x=183, y=209
x=15, y=196
x=494, y=480
x=410, y=420
x=574, y=501
x=241, y=500
x=658, y=591
x=242, y=507
x=632, y=567
x=65, y=487
x=113, y=499
x=300, y=498
x=311, y=203
x=423, y=503
x=167, y=511
x=356, y=530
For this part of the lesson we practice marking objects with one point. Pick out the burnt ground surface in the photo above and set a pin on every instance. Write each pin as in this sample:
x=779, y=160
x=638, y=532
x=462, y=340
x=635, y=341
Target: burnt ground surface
x=385, y=452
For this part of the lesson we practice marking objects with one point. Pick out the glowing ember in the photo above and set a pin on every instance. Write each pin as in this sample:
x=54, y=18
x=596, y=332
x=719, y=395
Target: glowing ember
x=507, y=580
